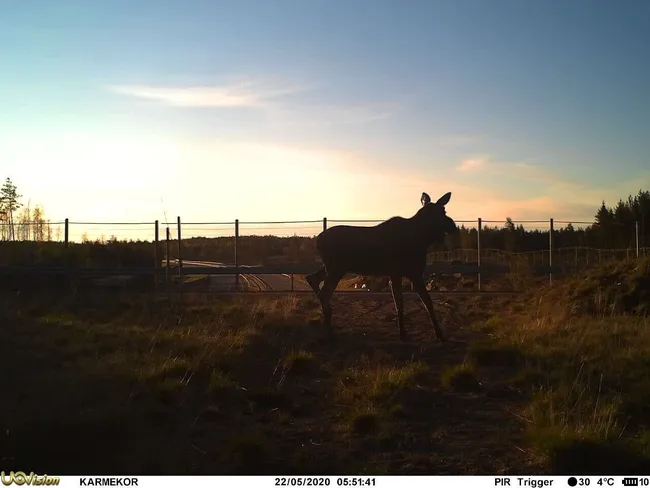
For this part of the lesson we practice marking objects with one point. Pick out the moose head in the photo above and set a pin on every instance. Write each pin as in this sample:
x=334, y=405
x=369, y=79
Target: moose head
x=435, y=215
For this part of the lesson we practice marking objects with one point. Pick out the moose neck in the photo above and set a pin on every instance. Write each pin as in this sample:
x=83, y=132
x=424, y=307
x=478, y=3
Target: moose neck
x=424, y=232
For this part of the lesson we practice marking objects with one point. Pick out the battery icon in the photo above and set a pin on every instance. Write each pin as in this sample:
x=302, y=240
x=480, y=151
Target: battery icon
x=630, y=481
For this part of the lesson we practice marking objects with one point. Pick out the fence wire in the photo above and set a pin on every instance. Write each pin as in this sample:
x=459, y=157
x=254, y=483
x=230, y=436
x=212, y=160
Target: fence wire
x=526, y=243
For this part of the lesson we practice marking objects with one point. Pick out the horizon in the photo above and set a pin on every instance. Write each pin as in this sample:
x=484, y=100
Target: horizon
x=79, y=232
x=116, y=112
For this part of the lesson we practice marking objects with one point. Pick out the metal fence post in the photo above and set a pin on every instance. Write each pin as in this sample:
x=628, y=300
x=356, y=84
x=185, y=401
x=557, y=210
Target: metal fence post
x=156, y=263
x=550, y=252
x=478, y=250
x=324, y=224
x=67, y=254
x=236, y=255
x=180, y=257
x=167, y=267
x=296, y=256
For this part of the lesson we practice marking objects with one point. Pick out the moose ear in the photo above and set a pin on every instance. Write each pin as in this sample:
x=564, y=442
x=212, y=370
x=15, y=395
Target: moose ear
x=444, y=200
x=425, y=199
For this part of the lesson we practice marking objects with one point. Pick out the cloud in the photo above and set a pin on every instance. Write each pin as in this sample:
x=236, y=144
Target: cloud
x=271, y=95
x=471, y=164
x=517, y=170
x=530, y=193
x=250, y=93
x=540, y=209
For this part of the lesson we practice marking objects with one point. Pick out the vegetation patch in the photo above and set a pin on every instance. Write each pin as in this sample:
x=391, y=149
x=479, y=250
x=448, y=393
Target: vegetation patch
x=578, y=349
x=299, y=362
x=460, y=377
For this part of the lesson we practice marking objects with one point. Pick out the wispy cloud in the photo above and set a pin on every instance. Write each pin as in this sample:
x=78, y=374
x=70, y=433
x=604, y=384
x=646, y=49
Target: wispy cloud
x=471, y=165
x=518, y=170
x=273, y=96
x=250, y=93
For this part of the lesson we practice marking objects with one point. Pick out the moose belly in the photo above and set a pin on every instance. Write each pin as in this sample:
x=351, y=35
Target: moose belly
x=375, y=262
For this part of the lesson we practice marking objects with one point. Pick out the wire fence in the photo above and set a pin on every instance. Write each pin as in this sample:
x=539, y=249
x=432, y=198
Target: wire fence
x=518, y=245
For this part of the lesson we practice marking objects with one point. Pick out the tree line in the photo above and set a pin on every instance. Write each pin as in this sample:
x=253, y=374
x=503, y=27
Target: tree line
x=613, y=228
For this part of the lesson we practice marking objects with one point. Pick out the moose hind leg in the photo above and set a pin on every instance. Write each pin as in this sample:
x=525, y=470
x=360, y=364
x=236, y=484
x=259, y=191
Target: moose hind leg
x=421, y=289
x=325, y=296
x=398, y=299
x=315, y=279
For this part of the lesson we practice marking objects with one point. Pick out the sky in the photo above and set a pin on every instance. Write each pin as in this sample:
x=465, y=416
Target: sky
x=121, y=110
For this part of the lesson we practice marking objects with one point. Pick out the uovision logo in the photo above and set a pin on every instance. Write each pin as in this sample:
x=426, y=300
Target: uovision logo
x=19, y=478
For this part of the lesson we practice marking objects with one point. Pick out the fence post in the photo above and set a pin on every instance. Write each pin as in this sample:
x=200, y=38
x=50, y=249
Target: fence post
x=236, y=255
x=167, y=267
x=68, y=254
x=180, y=257
x=550, y=252
x=636, y=225
x=156, y=263
x=478, y=250
x=296, y=255
x=324, y=224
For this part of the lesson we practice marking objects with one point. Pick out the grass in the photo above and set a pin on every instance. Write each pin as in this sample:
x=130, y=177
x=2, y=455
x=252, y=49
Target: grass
x=555, y=381
x=460, y=377
x=580, y=351
x=299, y=362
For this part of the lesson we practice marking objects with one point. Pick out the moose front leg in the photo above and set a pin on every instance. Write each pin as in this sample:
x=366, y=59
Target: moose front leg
x=421, y=289
x=325, y=297
x=315, y=279
x=398, y=300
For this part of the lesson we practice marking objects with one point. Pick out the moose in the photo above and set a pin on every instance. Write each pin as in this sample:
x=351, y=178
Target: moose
x=394, y=248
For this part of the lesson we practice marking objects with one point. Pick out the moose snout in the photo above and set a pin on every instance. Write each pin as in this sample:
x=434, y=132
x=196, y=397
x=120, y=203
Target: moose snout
x=452, y=228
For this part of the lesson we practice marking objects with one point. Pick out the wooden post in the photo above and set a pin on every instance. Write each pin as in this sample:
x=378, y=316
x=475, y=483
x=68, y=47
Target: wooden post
x=236, y=255
x=156, y=263
x=478, y=250
x=66, y=231
x=550, y=252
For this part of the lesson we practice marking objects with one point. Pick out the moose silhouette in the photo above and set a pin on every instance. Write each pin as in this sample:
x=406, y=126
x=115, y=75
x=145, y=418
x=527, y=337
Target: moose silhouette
x=395, y=248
